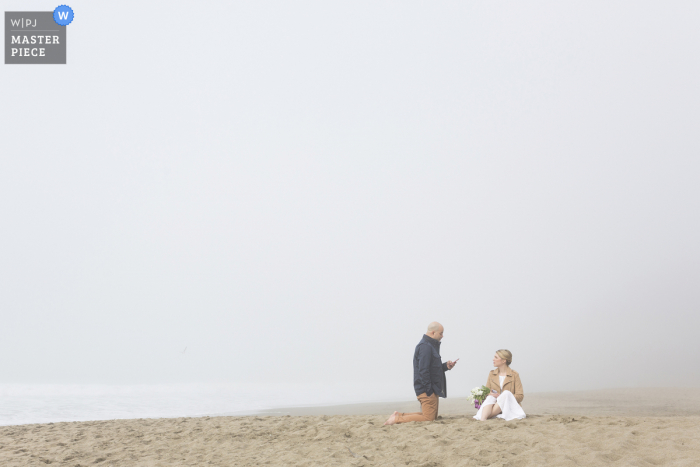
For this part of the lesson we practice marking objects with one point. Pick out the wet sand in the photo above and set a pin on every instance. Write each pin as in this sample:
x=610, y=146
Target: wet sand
x=624, y=402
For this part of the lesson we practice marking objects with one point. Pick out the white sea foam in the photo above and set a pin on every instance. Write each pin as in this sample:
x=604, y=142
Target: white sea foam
x=45, y=403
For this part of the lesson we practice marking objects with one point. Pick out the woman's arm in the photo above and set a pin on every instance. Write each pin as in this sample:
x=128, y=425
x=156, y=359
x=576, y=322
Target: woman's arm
x=491, y=385
x=519, y=395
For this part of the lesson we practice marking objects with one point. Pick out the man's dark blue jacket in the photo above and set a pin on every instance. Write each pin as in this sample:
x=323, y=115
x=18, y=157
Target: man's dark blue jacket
x=428, y=369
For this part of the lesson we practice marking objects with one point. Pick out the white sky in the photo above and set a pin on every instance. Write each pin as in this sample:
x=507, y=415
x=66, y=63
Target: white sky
x=294, y=190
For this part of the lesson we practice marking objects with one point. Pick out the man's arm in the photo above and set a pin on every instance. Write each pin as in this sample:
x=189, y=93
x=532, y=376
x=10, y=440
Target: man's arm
x=448, y=365
x=424, y=358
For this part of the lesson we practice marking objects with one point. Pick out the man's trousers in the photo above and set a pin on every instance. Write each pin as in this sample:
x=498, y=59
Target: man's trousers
x=428, y=413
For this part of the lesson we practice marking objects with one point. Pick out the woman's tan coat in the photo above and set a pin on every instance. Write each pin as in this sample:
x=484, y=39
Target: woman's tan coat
x=511, y=383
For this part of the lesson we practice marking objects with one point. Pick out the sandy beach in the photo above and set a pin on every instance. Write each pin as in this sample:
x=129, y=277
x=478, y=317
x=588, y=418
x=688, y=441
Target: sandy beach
x=620, y=428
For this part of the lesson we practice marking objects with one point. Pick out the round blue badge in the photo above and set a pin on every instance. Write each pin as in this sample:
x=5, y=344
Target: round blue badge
x=63, y=15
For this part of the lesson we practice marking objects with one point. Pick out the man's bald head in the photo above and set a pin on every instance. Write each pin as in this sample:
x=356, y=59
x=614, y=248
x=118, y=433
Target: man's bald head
x=435, y=330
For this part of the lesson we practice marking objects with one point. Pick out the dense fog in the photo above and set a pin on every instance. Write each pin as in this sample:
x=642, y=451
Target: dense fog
x=289, y=192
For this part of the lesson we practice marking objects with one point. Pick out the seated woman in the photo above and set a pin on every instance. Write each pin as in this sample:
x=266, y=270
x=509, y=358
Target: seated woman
x=506, y=390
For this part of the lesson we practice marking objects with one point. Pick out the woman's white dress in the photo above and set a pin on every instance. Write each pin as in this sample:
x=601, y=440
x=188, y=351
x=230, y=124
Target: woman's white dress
x=510, y=409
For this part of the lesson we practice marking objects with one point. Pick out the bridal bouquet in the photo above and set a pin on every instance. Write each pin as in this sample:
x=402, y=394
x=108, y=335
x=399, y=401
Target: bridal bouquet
x=478, y=395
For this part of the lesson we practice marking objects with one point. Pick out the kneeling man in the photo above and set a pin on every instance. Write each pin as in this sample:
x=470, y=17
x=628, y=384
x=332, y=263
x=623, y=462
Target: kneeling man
x=428, y=377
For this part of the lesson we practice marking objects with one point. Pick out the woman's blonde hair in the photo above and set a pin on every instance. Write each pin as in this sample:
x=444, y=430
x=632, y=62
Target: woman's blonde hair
x=505, y=355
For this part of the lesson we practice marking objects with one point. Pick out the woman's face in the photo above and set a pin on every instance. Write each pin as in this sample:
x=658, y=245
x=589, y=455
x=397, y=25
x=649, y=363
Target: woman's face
x=498, y=361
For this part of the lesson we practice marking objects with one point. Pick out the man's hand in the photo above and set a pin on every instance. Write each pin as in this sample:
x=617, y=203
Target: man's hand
x=451, y=364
